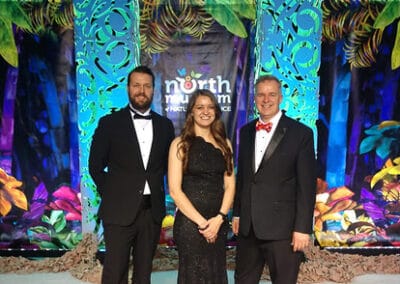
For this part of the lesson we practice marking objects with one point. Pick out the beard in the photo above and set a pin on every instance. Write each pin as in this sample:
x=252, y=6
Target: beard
x=140, y=102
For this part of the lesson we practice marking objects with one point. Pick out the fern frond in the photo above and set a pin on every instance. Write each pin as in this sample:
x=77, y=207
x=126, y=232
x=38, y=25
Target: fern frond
x=353, y=21
x=49, y=14
x=335, y=26
x=363, y=42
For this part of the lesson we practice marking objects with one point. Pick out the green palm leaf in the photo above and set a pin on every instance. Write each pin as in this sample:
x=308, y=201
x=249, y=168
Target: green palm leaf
x=390, y=12
x=388, y=15
x=8, y=49
x=396, y=49
x=11, y=12
x=225, y=16
x=244, y=8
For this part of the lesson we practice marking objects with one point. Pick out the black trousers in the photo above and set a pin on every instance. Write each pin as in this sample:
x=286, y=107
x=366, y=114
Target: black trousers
x=141, y=239
x=252, y=255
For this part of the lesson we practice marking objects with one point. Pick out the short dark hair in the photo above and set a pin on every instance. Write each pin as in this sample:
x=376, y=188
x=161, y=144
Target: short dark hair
x=142, y=69
x=264, y=78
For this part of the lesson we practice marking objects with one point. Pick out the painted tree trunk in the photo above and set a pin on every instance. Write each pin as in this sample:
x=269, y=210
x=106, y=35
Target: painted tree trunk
x=7, y=120
x=337, y=140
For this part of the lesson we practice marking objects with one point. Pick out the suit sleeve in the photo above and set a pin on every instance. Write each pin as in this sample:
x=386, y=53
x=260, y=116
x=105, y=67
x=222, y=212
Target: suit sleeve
x=239, y=179
x=307, y=177
x=98, y=156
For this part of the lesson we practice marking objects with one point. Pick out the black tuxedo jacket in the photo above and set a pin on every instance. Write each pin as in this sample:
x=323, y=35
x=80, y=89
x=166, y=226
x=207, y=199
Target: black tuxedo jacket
x=116, y=166
x=279, y=198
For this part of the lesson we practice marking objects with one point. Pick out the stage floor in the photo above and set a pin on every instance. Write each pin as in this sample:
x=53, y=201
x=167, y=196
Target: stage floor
x=163, y=277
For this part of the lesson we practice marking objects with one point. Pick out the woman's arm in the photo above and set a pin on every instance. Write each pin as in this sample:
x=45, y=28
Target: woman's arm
x=229, y=186
x=229, y=193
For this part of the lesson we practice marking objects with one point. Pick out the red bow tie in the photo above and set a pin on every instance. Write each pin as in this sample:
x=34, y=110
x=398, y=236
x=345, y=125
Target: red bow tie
x=266, y=126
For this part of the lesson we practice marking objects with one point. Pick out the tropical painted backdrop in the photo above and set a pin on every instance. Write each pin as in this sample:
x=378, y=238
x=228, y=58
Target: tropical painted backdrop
x=358, y=200
x=63, y=65
x=40, y=201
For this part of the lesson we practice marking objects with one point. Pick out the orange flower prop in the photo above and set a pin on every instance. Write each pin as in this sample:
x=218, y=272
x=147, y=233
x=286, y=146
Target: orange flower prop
x=9, y=194
x=330, y=203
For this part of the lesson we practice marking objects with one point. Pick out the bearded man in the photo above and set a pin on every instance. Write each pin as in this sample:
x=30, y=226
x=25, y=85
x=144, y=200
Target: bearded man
x=128, y=162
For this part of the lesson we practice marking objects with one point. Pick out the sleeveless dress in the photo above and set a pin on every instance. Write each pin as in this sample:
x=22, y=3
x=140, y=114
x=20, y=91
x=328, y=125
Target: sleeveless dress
x=203, y=184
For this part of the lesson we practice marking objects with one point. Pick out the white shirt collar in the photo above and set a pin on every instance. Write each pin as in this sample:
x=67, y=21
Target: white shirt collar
x=274, y=120
x=147, y=112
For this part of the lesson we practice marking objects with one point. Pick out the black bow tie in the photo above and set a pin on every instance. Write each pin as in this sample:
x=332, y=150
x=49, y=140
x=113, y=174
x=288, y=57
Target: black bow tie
x=139, y=116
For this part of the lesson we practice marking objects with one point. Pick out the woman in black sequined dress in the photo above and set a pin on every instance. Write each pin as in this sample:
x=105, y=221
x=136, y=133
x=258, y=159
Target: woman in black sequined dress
x=202, y=184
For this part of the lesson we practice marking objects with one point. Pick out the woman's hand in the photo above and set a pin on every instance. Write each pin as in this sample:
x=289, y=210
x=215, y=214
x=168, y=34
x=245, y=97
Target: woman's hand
x=210, y=233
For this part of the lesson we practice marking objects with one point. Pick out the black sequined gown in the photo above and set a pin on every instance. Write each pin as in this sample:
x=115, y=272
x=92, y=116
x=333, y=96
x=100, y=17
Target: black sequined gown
x=199, y=261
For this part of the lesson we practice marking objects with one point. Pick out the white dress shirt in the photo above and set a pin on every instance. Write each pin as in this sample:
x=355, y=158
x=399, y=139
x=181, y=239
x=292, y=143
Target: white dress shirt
x=263, y=138
x=144, y=133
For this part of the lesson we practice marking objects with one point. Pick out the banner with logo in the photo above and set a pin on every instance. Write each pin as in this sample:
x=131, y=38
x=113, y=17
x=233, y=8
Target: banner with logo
x=217, y=62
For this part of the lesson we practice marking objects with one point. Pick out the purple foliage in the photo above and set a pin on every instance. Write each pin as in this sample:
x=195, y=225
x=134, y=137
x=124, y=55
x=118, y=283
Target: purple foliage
x=366, y=195
x=374, y=211
x=38, y=204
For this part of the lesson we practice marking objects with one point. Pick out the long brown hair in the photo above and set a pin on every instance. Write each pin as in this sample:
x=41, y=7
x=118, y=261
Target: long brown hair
x=217, y=130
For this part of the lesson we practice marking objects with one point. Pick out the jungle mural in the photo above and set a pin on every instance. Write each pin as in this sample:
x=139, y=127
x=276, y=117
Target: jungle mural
x=44, y=131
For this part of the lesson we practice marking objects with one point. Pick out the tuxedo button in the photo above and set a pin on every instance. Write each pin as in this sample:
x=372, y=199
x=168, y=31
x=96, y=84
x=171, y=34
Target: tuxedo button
x=140, y=191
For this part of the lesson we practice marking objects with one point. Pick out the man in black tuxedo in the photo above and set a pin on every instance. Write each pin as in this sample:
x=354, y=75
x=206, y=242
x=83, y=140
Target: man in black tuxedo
x=276, y=184
x=128, y=161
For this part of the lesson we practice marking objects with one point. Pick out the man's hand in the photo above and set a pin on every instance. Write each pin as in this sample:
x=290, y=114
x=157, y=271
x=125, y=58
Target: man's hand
x=235, y=225
x=300, y=241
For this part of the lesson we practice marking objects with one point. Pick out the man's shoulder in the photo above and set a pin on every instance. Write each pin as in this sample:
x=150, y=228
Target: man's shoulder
x=248, y=125
x=114, y=114
x=296, y=124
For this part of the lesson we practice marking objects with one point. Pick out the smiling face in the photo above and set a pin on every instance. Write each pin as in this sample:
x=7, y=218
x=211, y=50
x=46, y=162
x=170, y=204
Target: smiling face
x=140, y=90
x=268, y=98
x=204, y=111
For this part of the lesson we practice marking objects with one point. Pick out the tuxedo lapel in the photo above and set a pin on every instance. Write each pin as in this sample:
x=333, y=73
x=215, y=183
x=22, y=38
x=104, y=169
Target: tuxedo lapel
x=132, y=136
x=252, y=145
x=156, y=138
x=131, y=128
x=276, y=138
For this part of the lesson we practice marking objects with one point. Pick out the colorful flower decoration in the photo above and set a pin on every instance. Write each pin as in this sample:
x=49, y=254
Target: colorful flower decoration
x=166, y=236
x=69, y=201
x=330, y=205
x=10, y=194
